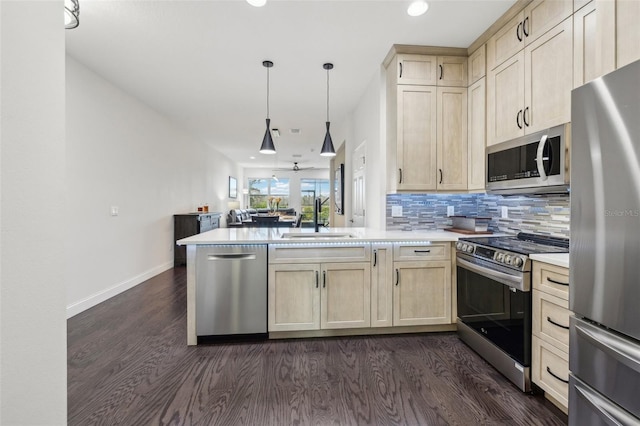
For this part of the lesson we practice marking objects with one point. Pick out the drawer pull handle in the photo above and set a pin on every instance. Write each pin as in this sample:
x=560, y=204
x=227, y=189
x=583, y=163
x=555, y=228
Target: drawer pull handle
x=422, y=251
x=375, y=258
x=556, y=324
x=324, y=279
x=559, y=378
x=557, y=282
x=397, y=276
x=317, y=279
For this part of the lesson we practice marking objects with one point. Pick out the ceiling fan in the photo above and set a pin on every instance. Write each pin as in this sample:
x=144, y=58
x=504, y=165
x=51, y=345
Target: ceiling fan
x=295, y=168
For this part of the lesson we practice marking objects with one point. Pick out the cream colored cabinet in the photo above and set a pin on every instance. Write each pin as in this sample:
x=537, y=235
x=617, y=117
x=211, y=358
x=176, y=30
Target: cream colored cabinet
x=477, y=64
x=416, y=143
x=414, y=69
x=294, y=297
x=452, y=71
x=476, y=119
x=314, y=287
x=617, y=33
x=319, y=296
x=585, y=67
x=525, y=28
x=452, y=139
x=531, y=91
x=550, y=329
x=421, y=284
x=381, y=285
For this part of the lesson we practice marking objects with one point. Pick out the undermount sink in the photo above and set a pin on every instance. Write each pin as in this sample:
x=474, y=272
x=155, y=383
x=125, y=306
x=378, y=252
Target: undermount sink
x=309, y=235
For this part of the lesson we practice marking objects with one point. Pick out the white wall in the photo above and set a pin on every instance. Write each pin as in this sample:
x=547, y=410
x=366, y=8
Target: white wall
x=122, y=153
x=33, y=380
x=367, y=123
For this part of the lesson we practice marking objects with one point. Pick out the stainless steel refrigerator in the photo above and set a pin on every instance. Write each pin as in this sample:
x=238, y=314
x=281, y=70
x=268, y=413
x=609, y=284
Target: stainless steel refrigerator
x=604, y=292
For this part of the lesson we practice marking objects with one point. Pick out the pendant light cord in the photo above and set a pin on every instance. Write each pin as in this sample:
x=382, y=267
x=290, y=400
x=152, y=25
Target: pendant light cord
x=327, y=95
x=267, y=92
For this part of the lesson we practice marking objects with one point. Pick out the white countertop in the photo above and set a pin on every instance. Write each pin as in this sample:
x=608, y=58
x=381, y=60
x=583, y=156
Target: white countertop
x=558, y=259
x=253, y=235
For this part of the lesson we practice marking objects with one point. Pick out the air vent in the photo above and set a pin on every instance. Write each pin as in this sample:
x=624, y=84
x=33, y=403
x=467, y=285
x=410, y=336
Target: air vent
x=297, y=155
x=294, y=131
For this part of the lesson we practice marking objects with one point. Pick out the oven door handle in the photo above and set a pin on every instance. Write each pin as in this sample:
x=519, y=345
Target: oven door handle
x=501, y=277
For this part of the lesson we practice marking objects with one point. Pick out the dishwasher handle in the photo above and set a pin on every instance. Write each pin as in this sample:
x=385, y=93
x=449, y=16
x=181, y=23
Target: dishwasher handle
x=232, y=256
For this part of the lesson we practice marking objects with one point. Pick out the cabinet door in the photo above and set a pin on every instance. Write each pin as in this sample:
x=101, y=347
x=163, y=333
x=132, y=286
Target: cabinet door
x=542, y=15
x=416, y=69
x=549, y=79
x=345, y=299
x=477, y=64
x=452, y=71
x=508, y=41
x=294, y=297
x=452, y=138
x=382, y=286
x=422, y=293
x=416, y=140
x=627, y=32
x=505, y=100
x=584, y=45
x=477, y=140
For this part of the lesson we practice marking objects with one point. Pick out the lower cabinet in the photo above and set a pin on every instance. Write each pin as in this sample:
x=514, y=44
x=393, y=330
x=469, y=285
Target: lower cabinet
x=550, y=329
x=422, y=293
x=319, y=296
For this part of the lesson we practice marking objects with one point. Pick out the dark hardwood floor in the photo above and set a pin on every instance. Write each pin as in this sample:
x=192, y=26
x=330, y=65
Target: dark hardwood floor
x=129, y=364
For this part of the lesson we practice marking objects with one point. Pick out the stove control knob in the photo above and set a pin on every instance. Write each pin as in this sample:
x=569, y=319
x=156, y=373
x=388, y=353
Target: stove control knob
x=464, y=247
x=507, y=259
x=500, y=257
x=459, y=245
x=517, y=261
x=470, y=248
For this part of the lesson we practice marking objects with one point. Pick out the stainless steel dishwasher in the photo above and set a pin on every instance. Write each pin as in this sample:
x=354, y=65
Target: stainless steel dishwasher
x=231, y=289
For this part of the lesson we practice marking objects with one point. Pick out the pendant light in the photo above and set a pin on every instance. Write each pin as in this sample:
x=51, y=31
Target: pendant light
x=71, y=14
x=327, y=146
x=267, y=142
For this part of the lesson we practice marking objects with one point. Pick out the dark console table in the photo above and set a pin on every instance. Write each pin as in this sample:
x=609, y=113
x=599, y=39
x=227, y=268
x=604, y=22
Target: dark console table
x=188, y=224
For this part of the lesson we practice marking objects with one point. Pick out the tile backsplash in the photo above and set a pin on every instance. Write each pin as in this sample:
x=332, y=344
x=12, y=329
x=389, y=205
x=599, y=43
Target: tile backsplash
x=541, y=214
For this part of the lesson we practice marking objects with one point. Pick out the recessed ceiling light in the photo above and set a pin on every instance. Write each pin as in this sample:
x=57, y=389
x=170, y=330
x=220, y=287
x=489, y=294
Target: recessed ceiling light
x=417, y=8
x=257, y=3
x=275, y=133
x=294, y=131
x=252, y=158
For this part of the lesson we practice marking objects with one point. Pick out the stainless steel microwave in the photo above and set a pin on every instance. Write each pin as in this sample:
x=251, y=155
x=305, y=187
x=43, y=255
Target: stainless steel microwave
x=535, y=163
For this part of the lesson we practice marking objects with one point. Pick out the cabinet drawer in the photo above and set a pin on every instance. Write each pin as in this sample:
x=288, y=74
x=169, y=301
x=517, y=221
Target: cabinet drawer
x=550, y=370
x=427, y=251
x=551, y=279
x=551, y=319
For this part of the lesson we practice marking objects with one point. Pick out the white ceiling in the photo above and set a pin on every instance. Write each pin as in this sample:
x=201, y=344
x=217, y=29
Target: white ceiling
x=200, y=62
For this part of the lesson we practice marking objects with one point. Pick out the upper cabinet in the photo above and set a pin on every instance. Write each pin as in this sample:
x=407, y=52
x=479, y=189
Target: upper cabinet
x=618, y=33
x=477, y=64
x=536, y=19
x=429, y=70
x=531, y=90
x=585, y=66
x=426, y=123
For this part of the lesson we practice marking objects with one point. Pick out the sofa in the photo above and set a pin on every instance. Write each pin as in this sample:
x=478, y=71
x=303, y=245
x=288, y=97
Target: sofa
x=244, y=217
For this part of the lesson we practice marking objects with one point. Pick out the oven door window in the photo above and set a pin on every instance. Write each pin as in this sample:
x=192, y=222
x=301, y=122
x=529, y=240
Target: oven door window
x=496, y=312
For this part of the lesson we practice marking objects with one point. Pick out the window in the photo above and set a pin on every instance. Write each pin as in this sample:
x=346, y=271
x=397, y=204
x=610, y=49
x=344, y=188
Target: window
x=310, y=189
x=264, y=193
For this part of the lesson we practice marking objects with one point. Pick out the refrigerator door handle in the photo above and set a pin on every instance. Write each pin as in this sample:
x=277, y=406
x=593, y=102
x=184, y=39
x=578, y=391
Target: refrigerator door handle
x=610, y=413
x=611, y=344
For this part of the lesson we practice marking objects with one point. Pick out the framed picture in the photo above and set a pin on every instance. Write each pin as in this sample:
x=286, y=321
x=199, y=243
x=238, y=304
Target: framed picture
x=233, y=187
x=338, y=188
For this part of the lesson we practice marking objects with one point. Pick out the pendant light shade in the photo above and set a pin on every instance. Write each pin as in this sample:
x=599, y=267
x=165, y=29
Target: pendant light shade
x=267, y=146
x=327, y=146
x=71, y=14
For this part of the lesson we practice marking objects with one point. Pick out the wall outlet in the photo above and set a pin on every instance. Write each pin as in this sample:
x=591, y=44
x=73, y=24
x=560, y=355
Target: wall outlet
x=396, y=211
x=505, y=212
x=450, y=211
x=114, y=211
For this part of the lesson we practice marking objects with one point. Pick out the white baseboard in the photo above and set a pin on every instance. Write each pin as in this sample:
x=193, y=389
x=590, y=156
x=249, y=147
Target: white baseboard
x=93, y=300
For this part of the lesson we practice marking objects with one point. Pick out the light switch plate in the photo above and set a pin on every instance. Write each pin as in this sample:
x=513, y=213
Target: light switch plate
x=396, y=211
x=450, y=211
x=505, y=212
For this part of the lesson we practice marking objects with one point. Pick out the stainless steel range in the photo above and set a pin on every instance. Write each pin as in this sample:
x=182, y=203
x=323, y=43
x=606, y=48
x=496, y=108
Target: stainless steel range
x=494, y=298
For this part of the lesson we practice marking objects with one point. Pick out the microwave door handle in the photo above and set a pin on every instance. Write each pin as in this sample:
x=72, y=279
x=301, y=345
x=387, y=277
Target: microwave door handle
x=540, y=159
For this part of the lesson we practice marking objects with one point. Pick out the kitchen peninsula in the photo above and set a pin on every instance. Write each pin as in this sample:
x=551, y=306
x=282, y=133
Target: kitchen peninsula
x=339, y=281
